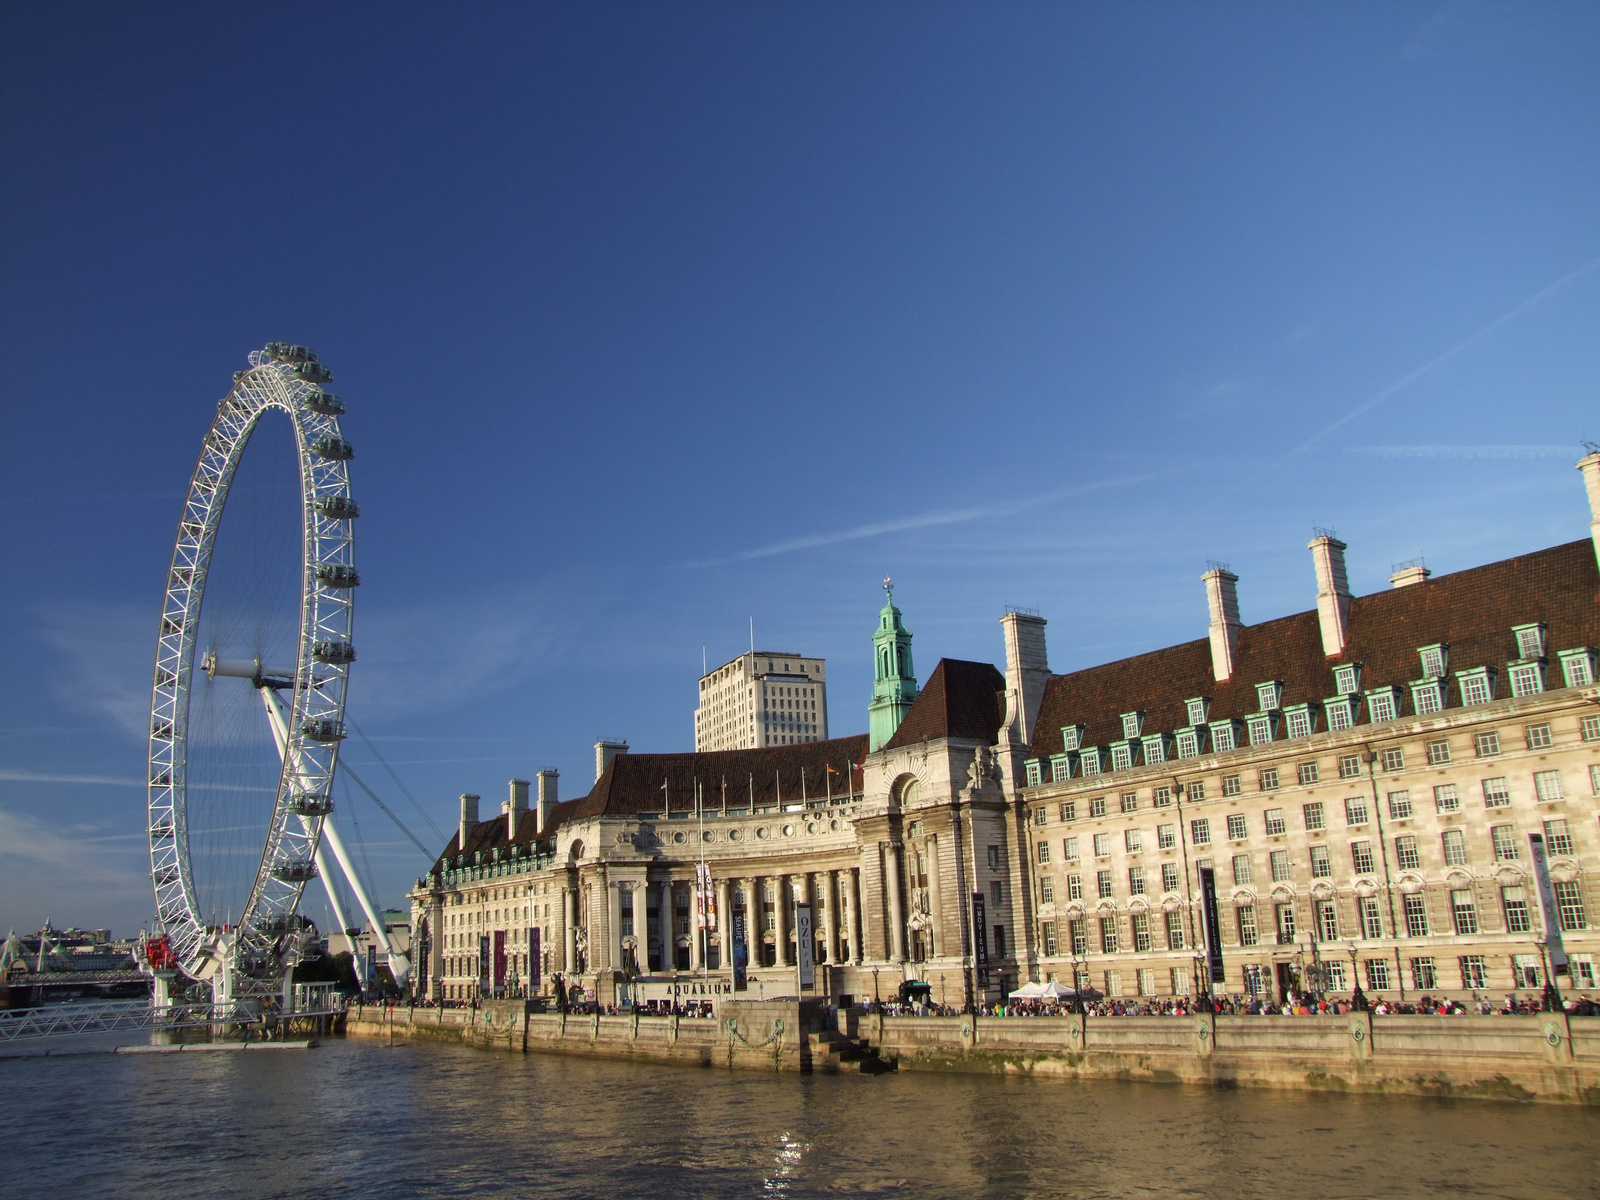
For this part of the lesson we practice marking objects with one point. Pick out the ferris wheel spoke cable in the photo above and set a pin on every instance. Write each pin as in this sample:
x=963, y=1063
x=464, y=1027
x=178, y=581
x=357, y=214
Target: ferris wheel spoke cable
x=438, y=833
x=361, y=783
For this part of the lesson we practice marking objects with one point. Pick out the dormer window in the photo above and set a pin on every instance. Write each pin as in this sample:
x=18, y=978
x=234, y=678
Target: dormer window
x=1530, y=640
x=1197, y=709
x=1427, y=696
x=1527, y=678
x=1262, y=727
x=1341, y=711
x=1132, y=724
x=1577, y=667
x=1224, y=736
x=1301, y=720
x=1347, y=679
x=1268, y=696
x=1091, y=760
x=1383, y=704
x=1122, y=755
x=1033, y=772
x=1191, y=742
x=1477, y=686
x=1072, y=737
x=1061, y=767
x=1154, y=748
x=1434, y=658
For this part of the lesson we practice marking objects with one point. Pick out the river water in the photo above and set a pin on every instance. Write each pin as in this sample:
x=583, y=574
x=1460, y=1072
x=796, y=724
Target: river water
x=356, y=1118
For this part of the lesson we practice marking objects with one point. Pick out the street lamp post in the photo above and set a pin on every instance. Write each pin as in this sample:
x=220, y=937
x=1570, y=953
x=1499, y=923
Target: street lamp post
x=1358, y=999
x=1552, y=997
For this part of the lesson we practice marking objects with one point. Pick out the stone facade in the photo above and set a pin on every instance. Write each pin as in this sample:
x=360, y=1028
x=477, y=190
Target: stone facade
x=1362, y=778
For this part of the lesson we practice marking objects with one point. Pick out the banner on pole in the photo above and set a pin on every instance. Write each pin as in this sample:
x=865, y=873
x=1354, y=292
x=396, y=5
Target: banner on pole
x=483, y=962
x=1211, y=927
x=805, y=945
x=741, y=954
x=980, y=940
x=1547, y=903
x=534, y=956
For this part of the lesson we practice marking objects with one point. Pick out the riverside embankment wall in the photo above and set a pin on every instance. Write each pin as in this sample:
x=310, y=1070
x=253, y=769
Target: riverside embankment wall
x=1548, y=1057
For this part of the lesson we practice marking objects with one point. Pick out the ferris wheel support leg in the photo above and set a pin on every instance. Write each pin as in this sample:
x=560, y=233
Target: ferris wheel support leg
x=399, y=966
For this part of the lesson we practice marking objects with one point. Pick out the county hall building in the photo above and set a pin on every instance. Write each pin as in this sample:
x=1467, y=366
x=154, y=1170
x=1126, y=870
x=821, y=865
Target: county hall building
x=1371, y=785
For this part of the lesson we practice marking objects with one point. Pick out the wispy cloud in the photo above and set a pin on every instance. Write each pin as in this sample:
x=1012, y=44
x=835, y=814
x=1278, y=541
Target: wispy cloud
x=56, y=777
x=75, y=874
x=922, y=520
x=1493, y=451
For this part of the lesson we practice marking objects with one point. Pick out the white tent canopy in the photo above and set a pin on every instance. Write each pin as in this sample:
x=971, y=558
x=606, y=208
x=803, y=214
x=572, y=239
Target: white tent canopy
x=1042, y=991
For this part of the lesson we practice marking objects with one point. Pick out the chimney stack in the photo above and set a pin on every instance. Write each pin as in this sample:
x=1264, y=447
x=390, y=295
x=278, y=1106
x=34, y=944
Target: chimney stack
x=1222, y=596
x=604, y=752
x=1406, y=574
x=1333, y=592
x=547, y=800
x=469, y=818
x=516, y=807
x=1027, y=672
x=1589, y=464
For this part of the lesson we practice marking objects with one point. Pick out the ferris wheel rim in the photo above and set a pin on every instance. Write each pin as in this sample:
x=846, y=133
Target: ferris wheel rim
x=287, y=379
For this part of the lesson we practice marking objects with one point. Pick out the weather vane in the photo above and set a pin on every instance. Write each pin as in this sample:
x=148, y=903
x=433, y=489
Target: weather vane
x=888, y=586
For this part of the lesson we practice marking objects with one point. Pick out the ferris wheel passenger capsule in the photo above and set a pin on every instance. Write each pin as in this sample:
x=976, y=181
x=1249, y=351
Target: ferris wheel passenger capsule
x=333, y=449
x=294, y=870
x=325, y=403
x=337, y=508
x=310, y=804
x=333, y=652
x=323, y=729
x=337, y=575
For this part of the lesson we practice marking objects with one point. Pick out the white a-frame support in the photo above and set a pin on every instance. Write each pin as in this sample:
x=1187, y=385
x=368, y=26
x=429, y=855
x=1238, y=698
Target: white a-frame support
x=399, y=965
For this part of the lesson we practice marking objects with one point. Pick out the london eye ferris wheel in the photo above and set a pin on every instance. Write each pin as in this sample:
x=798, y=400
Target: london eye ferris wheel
x=253, y=657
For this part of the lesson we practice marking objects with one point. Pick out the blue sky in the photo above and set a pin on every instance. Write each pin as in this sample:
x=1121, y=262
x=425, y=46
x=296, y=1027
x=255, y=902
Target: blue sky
x=653, y=319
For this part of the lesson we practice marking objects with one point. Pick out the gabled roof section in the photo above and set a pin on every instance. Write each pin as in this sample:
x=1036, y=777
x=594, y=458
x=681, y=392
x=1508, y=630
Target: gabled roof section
x=769, y=775
x=960, y=700
x=632, y=783
x=1473, y=611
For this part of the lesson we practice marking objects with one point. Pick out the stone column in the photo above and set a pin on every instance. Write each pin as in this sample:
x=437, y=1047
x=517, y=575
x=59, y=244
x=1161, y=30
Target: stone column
x=669, y=933
x=614, y=914
x=935, y=897
x=569, y=921
x=725, y=924
x=830, y=917
x=852, y=882
x=897, y=910
x=780, y=898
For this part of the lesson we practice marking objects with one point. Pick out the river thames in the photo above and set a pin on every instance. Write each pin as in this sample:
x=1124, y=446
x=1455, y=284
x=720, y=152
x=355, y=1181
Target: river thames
x=355, y=1118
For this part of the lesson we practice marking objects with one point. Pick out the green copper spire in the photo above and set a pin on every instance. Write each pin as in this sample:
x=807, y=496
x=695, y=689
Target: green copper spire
x=894, y=686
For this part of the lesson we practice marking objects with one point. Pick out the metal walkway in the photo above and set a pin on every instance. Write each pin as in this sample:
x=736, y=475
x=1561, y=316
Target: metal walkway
x=62, y=1020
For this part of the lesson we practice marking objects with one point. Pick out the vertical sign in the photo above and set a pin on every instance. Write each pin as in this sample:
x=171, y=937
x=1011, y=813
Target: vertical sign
x=805, y=944
x=534, y=964
x=483, y=963
x=372, y=964
x=980, y=940
x=499, y=958
x=1210, y=924
x=741, y=954
x=1547, y=902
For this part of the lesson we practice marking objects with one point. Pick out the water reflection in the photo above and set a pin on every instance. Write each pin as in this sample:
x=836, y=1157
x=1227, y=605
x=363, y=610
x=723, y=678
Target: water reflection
x=357, y=1119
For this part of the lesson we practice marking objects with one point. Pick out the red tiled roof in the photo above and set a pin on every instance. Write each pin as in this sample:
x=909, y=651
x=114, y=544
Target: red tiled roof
x=961, y=700
x=633, y=783
x=1473, y=611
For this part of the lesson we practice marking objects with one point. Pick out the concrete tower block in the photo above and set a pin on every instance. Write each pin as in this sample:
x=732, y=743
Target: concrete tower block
x=1027, y=672
x=1333, y=593
x=469, y=818
x=547, y=800
x=1222, y=595
x=516, y=807
x=1590, y=466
